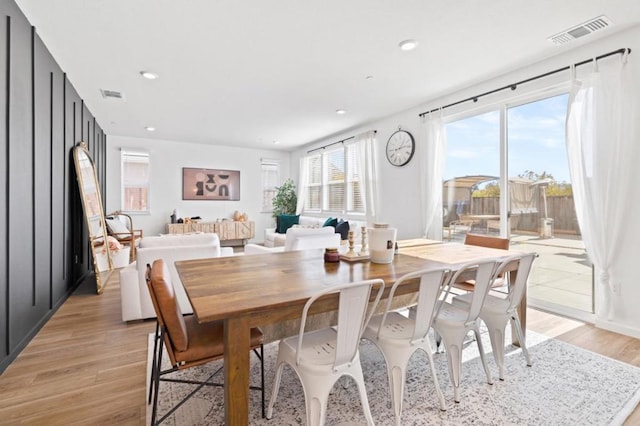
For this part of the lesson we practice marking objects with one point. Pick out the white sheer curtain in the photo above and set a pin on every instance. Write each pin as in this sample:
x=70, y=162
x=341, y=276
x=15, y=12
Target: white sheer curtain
x=431, y=172
x=366, y=159
x=303, y=181
x=599, y=146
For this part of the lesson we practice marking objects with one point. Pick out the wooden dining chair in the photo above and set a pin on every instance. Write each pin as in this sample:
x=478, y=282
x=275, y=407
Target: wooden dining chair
x=487, y=241
x=187, y=342
x=484, y=241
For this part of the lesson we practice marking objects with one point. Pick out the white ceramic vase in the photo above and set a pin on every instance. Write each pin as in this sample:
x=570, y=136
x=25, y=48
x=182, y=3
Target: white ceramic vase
x=382, y=241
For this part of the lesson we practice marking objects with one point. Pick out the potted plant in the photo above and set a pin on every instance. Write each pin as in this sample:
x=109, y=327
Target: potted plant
x=285, y=200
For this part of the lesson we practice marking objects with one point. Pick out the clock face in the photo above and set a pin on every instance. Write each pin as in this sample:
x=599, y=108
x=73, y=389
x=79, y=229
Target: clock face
x=400, y=148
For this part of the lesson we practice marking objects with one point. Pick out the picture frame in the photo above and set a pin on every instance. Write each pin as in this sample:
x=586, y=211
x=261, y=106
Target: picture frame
x=210, y=184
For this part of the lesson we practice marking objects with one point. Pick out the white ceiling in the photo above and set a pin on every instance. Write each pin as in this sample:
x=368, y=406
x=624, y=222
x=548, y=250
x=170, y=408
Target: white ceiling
x=246, y=73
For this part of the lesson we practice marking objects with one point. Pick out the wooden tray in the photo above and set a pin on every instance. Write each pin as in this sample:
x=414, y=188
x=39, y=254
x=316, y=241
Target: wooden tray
x=355, y=258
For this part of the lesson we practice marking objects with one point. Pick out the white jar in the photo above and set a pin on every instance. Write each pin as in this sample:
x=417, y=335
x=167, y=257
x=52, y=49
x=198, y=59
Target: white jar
x=382, y=241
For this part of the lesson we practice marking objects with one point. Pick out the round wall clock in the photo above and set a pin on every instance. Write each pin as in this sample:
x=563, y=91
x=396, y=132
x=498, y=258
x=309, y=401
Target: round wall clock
x=400, y=148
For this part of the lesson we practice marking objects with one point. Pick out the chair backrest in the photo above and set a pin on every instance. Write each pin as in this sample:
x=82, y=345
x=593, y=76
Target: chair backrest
x=354, y=313
x=310, y=238
x=487, y=241
x=429, y=290
x=517, y=289
x=484, y=273
x=167, y=308
x=180, y=240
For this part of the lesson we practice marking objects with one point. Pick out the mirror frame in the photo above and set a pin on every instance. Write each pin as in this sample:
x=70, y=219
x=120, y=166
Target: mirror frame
x=97, y=242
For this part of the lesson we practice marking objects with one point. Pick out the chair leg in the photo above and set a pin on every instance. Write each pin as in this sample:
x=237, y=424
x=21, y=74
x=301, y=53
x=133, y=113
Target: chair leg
x=156, y=385
x=316, y=394
x=523, y=344
x=275, y=388
x=454, y=359
x=438, y=340
x=359, y=378
x=436, y=384
x=397, y=377
x=262, y=377
x=153, y=363
x=483, y=358
x=496, y=333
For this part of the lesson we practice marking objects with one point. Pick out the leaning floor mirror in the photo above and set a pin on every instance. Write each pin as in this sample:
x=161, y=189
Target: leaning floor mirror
x=94, y=215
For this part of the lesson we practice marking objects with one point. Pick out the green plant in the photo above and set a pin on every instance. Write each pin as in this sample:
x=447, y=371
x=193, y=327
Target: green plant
x=285, y=200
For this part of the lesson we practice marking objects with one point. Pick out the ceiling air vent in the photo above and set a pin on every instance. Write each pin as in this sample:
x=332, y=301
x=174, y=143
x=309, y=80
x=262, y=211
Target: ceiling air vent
x=112, y=94
x=592, y=25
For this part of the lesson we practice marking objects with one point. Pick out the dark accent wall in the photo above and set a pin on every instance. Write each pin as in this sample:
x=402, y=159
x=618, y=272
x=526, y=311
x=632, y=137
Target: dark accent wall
x=44, y=251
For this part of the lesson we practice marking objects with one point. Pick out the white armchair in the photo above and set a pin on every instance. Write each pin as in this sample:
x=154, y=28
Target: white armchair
x=134, y=295
x=300, y=239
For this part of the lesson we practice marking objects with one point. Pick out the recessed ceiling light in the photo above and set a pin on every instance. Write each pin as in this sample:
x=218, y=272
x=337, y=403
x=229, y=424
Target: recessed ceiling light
x=149, y=75
x=407, y=45
x=341, y=111
x=276, y=142
x=150, y=129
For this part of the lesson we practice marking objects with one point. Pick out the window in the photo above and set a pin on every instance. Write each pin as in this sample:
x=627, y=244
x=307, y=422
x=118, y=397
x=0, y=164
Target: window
x=135, y=181
x=270, y=178
x=333, y=182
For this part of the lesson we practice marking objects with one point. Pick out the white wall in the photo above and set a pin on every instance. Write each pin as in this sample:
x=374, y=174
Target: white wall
x=167, y=158
x=399, y=188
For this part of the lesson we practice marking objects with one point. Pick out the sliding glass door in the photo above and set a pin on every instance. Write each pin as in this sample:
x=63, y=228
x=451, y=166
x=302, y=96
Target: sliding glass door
x=521, y=147
x=471, y=187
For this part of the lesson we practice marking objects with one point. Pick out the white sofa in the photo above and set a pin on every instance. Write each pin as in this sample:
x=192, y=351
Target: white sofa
x=300, y=239
x=274, y=239
x=134, y=295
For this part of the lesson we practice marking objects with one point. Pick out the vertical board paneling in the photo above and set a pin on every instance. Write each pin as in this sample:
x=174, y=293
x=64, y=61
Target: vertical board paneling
x=42, y=174
x=4, y=192
x=20, y=261
x=73, y=230
x=41, y=118
x=58, y=191
x=87, y=136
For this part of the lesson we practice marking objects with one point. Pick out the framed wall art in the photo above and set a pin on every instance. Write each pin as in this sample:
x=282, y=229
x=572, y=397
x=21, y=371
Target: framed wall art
x=210, y=184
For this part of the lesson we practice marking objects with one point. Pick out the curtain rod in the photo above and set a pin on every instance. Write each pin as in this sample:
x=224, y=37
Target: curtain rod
x=514, y=86
x=334, y=143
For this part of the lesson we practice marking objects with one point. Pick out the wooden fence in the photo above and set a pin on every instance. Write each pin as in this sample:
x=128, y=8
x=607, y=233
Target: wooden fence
x=559, y=208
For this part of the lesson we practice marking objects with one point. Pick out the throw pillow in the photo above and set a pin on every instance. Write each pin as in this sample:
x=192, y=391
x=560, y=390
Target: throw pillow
x=331, y=222
x=343, y=229
x=328, y=221
x=286, y=221
x=116, y=227
x=316, y=226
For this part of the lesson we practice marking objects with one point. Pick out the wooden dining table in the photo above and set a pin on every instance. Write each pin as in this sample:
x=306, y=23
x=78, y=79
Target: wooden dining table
x=256, y=290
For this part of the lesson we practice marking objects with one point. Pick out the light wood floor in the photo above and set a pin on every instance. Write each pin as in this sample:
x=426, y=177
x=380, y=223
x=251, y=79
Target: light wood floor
x=88, y=367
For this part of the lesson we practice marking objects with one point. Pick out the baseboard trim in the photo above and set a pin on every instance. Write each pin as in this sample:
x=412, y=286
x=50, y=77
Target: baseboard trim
x=618, y=328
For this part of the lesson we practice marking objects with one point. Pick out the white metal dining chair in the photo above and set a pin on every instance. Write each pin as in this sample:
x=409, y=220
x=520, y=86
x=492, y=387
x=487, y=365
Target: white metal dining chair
x=321, y=357
x=453, y=322
x=399, y=337
x=496, y=312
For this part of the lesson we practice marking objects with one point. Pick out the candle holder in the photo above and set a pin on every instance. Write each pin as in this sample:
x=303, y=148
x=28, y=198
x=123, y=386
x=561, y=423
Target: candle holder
x=363, y=234
x=352, y=255
x=351, y=251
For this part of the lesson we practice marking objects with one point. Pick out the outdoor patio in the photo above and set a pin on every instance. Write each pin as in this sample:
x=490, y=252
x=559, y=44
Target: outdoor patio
x=561, y=275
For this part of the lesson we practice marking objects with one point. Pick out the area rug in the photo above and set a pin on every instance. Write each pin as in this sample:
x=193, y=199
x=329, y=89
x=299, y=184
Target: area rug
x=565, y=386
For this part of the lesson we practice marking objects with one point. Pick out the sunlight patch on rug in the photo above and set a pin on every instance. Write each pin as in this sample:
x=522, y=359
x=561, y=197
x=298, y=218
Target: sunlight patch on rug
x=565, y=386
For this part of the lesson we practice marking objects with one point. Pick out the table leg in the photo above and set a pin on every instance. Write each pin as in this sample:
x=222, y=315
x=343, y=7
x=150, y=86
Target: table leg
x=522, y=313
x=236, y=371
